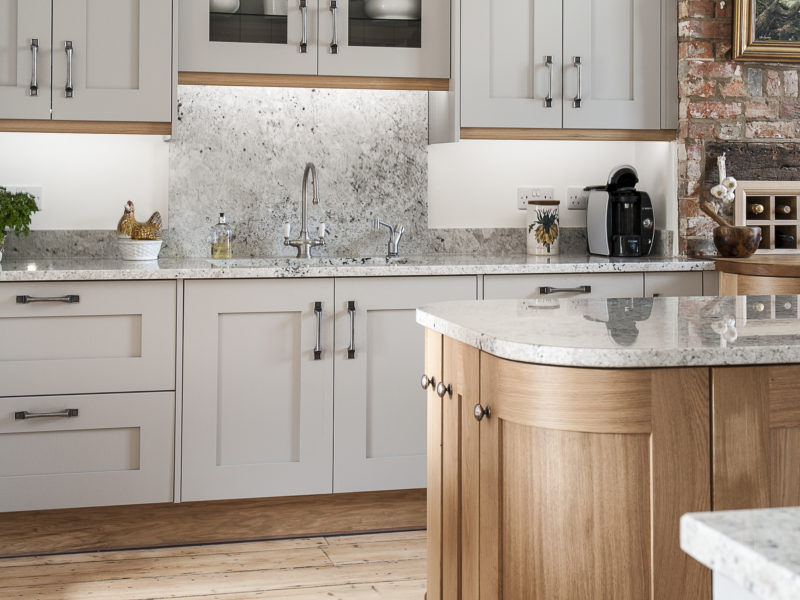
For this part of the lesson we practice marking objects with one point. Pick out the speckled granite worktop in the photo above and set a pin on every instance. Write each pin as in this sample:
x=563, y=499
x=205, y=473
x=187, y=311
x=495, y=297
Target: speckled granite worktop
x=625, y=332
x=77, y=269
x=757, y=549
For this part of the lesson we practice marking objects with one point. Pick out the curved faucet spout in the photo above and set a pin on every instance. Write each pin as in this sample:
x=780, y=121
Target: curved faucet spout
x=304, y=243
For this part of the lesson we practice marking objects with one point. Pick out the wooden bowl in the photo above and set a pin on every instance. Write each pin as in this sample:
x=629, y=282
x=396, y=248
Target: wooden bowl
x=737, y=242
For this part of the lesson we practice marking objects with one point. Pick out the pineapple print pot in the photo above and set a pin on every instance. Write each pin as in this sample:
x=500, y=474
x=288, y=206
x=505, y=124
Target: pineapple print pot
x=543, y=227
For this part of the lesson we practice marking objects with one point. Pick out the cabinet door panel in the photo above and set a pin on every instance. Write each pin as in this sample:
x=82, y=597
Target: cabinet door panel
x=673, y=284
x=380, y=417
x=257, y=405
x=21, y=21
x=360, y=49
x=504, y=76
x=619, y=44
x=121, y=60
x=201, y=49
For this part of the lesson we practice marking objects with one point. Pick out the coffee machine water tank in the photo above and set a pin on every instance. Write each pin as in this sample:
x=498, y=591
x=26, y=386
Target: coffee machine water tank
x=620, y=219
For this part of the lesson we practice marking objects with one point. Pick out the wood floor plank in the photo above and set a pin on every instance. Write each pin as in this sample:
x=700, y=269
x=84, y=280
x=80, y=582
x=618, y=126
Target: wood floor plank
x=418, y=534
x=413, y=589
x=148, y=588
x=359, y=552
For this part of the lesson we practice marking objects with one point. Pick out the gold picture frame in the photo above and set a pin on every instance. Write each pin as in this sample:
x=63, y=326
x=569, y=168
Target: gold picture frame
x=747, y=47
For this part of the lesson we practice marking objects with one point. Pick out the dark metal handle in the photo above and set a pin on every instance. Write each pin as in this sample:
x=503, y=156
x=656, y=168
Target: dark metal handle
x=335, y=41
x=442, y=389
x=479, y=412
x=548, y=101
x=426, y=381
x=581, y=289
x=351, y=349
x=34, y=89
x=67, y=412
x=576, y=102
x=304, y=39
x=69, y=299
x=318, y=347
x=68, y=88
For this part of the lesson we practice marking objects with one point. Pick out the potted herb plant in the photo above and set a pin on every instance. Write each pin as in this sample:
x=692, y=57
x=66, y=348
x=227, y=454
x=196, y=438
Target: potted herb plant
x=16, y=209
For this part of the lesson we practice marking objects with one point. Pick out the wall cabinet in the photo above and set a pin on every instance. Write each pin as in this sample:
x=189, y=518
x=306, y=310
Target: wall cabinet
x=86, y=60
x=310, y=37
x=572, y=64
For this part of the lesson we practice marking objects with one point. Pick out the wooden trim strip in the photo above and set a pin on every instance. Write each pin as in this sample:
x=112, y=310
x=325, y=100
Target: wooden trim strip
x=314, y=81
x=47, y=126
x=221, y=521
x=761, y=266
x=509, y=133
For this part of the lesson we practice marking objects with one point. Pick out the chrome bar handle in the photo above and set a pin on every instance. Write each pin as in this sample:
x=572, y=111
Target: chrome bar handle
x=351, y=349
x=69, y=299
x=581, y=289
x=335, y=41
x=34, y=89
x=304, y=39
x=68, y=88
x=576, y=102
x=548, y=102
x=24, y=414
x=318, y=347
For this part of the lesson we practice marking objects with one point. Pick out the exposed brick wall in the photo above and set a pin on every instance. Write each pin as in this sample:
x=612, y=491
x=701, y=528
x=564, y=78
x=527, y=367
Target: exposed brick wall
x=723, y=101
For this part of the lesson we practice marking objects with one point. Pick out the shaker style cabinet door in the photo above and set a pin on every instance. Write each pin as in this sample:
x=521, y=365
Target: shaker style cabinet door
x=261, y=36
x=119, y=67
x=618, y=80
x=24, y=59
x=375, y=38
x=505, y=74
x=257, y=403
x=379, y=423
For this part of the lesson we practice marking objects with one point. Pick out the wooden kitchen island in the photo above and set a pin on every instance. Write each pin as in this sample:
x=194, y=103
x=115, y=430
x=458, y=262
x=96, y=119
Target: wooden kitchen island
x=759, y=274
x=567, y=437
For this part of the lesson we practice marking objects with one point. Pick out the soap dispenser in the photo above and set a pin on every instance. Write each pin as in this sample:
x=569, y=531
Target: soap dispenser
x=221, y=235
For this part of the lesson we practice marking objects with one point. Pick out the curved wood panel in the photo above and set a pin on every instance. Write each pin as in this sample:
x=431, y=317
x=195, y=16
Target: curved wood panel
x=761, y=265
x=314, y=81
x=570, y=399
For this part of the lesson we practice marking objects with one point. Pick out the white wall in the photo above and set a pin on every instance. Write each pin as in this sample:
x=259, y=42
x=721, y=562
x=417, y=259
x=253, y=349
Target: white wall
x=474, y=183
x=87, y=179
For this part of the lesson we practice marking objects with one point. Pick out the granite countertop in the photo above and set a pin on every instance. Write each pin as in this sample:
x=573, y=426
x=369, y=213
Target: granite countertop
x=757, y=549
x=76, y=269
x=626, y=332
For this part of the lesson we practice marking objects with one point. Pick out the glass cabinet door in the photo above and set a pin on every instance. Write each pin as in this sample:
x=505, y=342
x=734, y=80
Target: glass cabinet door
x=248, y=36
x=384, y=38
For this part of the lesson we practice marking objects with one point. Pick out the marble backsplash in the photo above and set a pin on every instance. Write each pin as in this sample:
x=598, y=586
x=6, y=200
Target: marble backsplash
x=242, y=151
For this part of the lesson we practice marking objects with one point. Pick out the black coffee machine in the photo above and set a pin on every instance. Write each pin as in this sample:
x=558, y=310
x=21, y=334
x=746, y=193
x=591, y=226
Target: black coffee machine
x=619, y=219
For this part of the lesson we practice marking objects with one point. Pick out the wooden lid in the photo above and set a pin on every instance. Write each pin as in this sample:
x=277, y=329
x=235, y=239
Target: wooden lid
x=782, y=265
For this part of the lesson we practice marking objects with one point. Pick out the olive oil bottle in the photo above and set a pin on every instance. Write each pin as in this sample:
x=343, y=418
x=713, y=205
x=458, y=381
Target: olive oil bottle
x=221, y=236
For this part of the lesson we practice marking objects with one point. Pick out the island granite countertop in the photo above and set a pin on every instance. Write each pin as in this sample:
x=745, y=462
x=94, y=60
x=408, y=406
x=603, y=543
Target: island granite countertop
x=85, y=269
x=625, y=332
x=759, y=550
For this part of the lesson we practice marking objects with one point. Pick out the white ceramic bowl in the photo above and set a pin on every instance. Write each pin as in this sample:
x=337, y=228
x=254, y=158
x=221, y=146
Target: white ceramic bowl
x=224, y=6
x=393, y=9
x=139, y=249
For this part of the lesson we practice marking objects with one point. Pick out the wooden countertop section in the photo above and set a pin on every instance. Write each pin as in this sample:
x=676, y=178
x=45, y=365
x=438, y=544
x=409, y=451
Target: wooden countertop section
x=783, y=265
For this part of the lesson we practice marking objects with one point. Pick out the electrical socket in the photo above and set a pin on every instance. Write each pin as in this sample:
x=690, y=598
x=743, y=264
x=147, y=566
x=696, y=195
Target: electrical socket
x=577, y=198
x=34, y=190
x=537, y=192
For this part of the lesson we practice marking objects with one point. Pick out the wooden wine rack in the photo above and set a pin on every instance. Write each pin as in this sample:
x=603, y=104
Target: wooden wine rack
x=779, y=230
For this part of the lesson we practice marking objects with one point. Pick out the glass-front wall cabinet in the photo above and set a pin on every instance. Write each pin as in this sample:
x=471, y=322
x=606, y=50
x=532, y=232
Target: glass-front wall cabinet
x=377, y=38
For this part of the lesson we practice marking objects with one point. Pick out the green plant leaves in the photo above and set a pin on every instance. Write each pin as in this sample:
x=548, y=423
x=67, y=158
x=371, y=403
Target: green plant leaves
x=15, y=212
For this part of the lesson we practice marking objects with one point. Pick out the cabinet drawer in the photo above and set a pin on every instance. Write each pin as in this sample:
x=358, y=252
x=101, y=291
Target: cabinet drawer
x=117, y=449
x=611, y=285
x=673, y=284
x=119, y=336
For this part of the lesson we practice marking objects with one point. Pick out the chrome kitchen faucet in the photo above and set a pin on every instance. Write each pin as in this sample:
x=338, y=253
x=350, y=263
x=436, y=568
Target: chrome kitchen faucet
x=394, y=236
x=305, y=243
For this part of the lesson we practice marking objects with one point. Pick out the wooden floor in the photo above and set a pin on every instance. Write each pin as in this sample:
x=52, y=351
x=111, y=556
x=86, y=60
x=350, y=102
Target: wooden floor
x=385, y=566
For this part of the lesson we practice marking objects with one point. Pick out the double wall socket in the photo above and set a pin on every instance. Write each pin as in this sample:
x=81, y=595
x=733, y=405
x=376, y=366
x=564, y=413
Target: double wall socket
x=577, y=198
x=33, y=190
x=539, y=192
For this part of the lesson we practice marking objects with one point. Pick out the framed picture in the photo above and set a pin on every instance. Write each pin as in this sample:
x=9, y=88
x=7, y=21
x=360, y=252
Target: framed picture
x=766, y=30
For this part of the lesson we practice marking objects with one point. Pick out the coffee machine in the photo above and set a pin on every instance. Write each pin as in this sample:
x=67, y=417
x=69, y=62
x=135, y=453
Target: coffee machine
x=619, y=219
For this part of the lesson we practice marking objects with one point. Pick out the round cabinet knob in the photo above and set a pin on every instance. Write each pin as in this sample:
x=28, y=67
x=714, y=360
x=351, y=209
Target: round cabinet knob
x=441, y=389
x=425, y=382
x=481, y=412
x=647, y=223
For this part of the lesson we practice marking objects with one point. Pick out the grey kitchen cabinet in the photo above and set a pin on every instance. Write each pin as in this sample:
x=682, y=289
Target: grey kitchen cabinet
x=604, y=285
x=568, y=63
x=314, y=37
x=380, y=410
x=88, y=60
x=674, y=284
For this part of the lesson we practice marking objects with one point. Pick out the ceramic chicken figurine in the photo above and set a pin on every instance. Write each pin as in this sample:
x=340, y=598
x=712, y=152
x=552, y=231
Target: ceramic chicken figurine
x=129, y=227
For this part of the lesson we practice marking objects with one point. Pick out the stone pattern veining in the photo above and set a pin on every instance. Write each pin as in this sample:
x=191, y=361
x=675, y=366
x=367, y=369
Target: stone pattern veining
x=757, y=549
x=76, y=269
x=620, y=333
